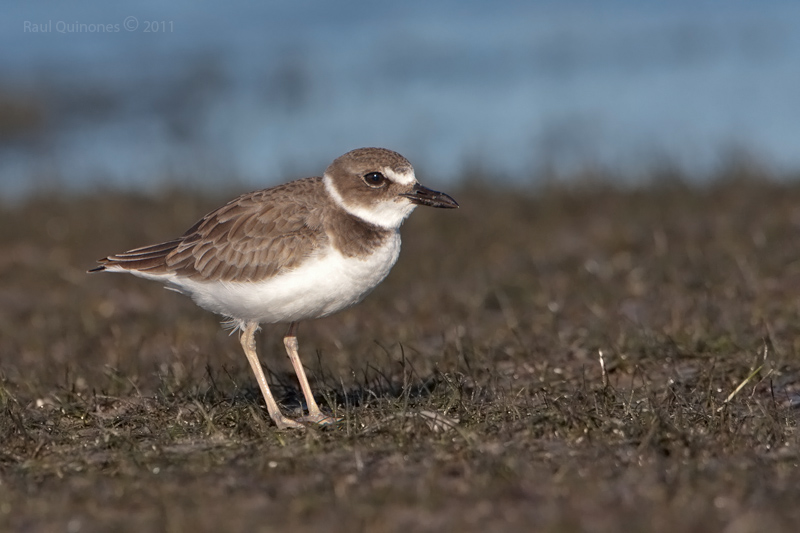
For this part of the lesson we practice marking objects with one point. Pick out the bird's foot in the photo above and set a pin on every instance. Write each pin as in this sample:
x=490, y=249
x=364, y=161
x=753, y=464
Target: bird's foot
x=284, y=422
x=320, y=419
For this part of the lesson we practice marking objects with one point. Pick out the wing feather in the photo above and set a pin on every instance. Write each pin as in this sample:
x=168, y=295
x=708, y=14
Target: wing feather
x=251, y=238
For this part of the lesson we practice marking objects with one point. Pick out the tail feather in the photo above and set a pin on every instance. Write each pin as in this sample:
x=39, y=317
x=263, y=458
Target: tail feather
x=150, y=259
x=152, y=250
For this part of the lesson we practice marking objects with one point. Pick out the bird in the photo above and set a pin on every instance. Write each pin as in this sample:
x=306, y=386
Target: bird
x=297, y=251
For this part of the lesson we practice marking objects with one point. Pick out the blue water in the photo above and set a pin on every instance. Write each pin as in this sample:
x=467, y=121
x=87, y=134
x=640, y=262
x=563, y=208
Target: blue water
x=261, y=92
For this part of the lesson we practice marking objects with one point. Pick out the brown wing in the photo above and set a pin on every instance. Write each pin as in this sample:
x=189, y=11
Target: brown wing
x=251, y=238
x=148, y=259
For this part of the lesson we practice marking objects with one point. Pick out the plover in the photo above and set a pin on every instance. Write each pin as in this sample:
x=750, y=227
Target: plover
x=301, y=250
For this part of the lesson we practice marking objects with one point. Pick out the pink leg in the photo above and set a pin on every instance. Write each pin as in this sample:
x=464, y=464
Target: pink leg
x=248, y=341
x=314, y=413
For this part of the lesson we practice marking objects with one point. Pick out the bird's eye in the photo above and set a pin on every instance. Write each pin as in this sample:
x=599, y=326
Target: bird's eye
x=375, y=179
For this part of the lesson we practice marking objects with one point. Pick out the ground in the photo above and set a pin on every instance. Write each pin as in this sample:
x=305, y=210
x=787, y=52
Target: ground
x=560, y=358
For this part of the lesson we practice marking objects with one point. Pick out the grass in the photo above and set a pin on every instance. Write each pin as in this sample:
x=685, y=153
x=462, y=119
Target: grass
x=469, y=384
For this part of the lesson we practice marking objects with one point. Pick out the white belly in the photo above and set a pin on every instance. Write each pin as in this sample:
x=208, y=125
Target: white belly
x=317, y=288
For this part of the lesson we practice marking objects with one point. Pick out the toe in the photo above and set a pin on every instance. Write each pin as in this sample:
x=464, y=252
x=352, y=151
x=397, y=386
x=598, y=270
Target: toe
x=287, y=423
x=320, y=419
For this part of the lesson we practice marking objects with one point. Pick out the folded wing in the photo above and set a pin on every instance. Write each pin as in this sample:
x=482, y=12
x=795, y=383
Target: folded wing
x=252, y=238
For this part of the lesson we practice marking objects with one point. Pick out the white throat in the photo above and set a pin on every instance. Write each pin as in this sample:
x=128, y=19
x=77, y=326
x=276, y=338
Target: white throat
x=388, y=214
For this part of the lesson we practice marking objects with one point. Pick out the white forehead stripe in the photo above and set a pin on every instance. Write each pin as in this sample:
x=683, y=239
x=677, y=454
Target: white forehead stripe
x=403, y=178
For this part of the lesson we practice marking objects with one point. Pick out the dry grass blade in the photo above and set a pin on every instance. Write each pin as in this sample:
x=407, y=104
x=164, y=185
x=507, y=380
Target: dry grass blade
x=739, y=387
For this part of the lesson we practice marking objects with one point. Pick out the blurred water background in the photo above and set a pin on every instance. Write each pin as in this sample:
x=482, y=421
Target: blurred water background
x=139, y=95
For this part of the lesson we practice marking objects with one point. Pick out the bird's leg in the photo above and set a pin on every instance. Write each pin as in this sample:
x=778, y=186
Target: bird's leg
x=314, y=414
x=248, y=341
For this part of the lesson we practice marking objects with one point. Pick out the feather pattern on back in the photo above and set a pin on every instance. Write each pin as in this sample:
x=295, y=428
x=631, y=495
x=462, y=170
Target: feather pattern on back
x=251, y=238
x=257, y=236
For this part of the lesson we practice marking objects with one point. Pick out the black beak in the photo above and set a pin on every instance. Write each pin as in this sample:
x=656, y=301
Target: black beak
x=425, y=196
